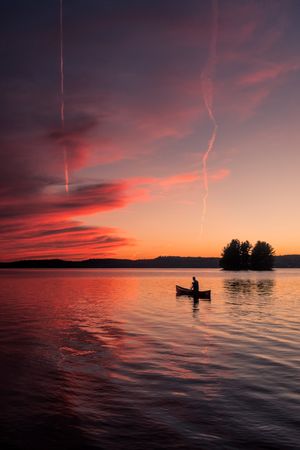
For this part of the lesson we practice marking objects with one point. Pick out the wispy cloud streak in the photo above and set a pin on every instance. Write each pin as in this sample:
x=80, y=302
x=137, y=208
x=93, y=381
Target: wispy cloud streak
x=208, y=97
x=62, y=94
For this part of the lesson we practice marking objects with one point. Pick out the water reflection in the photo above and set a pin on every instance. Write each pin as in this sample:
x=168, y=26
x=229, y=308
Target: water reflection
x=89, y=361
x=246, y=287
x=195, y=307
x=193, y=302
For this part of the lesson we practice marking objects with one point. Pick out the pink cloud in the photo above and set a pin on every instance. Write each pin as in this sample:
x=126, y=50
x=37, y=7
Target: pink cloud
x=270, y=72
x=181, y=178
x=218, y=175
x=173, y=181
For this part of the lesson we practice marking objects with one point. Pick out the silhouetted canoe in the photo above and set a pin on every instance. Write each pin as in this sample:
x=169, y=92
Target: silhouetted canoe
x=184, y=291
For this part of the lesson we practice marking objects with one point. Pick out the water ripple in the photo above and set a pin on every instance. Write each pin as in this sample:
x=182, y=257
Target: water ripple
x=112, y=359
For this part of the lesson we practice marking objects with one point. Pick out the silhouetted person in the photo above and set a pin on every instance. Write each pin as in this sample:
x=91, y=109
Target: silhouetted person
x=195, y=285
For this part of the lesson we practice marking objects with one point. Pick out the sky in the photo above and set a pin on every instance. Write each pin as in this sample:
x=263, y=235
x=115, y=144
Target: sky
x=136, y=127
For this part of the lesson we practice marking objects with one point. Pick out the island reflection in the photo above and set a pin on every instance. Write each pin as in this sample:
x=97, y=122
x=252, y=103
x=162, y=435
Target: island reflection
x=245, y=287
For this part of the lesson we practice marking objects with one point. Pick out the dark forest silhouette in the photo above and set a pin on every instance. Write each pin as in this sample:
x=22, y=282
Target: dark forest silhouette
x=243, y=256
x=171, y=262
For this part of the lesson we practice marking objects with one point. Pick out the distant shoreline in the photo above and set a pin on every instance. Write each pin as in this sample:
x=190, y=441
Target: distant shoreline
x=162, y=262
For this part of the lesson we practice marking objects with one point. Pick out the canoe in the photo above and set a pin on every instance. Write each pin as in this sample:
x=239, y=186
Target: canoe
x=184, y=291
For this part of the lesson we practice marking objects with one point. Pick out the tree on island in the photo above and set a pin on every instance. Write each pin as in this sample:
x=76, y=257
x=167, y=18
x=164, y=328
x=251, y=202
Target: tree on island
x=245, y=249
x=262, y=256
x=236, y=256
x=231, y=256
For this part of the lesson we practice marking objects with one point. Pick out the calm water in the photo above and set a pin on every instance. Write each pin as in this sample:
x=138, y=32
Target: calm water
x=94, y=359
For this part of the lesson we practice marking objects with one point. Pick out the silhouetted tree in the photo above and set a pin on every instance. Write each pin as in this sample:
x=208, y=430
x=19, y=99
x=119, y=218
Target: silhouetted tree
x=245, y=255
x=231, y=256
x=262, y=256
x=236, y=256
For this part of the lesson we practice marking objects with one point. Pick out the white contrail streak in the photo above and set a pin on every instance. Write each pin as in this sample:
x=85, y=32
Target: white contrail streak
x=62, y=97
x=207, y=85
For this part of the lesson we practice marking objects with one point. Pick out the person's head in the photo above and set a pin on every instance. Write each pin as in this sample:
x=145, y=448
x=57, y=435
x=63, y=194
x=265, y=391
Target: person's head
x=194, y=278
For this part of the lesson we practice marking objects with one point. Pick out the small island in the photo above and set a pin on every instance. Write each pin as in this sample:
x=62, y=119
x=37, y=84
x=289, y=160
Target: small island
x=239, y=255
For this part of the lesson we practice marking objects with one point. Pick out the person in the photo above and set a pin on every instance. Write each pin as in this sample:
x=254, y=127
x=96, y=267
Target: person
x=195, y=285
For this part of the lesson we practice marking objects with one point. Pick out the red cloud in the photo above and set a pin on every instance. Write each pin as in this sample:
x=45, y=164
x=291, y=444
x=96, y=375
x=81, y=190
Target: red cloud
x=66, y=239
x=44, y=227
x=79, y=201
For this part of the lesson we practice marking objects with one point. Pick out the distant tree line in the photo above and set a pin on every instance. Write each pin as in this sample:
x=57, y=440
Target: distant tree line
x=110, y=263
x=243, y=256
x=283, y=261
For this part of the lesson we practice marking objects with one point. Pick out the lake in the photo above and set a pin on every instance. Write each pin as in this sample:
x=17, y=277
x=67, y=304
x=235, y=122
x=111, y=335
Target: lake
x=112, y=359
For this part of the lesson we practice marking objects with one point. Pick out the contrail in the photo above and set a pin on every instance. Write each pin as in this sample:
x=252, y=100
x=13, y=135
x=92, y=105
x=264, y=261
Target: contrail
x=207, y=85
x=62, y=96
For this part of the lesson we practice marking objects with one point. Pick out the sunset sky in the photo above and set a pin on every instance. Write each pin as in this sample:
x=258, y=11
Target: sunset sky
x=136, y=127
